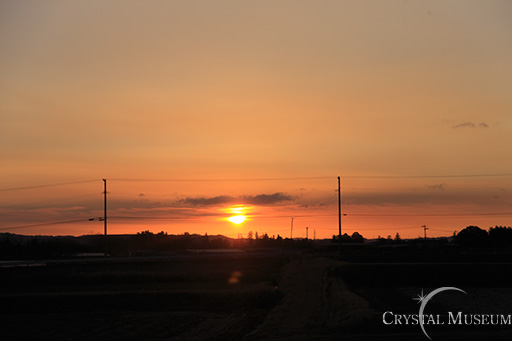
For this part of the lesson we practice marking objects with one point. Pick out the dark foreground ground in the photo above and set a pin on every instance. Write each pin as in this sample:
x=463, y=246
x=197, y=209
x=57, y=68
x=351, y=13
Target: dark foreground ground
x=245, y=296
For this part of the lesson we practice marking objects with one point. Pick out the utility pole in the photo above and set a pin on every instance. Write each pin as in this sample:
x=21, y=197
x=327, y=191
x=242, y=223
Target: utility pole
x=339, y=210
x=314, y=234
x=291, y=232
x=306, y=232
x=105, y=212
x=425, y=228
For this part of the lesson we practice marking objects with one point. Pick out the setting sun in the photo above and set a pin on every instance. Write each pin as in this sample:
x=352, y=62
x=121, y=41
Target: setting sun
x=237, y=219
x=238, y=214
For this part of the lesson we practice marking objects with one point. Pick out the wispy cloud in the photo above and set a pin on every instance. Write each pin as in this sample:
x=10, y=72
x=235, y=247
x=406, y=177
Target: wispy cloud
x=204, y=201
x=464, y=125
x=267, y=199
x=470, y=124
x=260, y=199
x=436, y=187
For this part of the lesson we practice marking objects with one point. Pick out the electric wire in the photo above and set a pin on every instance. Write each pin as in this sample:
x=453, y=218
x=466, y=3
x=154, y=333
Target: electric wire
x=47, y=185
x=320, y=177
x=505, y=214
x=267, y=179
x=220, y=179
x=43, y=224
x=46, y=202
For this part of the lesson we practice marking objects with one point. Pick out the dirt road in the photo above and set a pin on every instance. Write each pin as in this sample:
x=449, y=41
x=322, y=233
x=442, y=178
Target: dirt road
x=316, y=306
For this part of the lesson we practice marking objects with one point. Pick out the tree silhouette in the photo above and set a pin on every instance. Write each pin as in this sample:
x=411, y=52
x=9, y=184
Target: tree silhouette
x=357, y=238
x=500, y=236
x=472, y=236
x=345, y=238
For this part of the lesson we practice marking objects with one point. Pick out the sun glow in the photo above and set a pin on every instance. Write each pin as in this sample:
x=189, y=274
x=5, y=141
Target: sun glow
x=237, y=219
x=238, y=214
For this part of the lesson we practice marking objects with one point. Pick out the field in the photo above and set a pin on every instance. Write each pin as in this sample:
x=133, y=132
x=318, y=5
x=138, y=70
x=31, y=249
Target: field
x=258, y=295
x=221, y=296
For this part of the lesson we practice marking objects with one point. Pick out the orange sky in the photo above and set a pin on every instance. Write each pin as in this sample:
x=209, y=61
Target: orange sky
x=256, y=90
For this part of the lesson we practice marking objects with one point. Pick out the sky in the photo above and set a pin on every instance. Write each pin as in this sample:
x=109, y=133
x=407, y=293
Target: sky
x=196, y=110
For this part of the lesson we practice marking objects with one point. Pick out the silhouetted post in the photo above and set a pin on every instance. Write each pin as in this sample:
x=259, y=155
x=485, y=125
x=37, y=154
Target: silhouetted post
x=339, y=210
x=425, y=228
x=291, y=231
x=105, y=212
x=306, y=232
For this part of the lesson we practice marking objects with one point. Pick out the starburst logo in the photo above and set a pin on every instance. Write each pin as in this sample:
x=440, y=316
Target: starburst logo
x=421, y=297
x=424, y=301
x=452, y=318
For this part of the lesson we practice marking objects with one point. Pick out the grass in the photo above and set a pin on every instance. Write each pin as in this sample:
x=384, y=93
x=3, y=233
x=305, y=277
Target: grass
x=146, y=299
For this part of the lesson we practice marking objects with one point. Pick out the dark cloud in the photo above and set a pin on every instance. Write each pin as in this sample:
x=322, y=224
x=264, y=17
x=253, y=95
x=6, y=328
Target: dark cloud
x=212, y=201
x=141, y=195
x=260, y=199
x=436, y=187
x=464, y=125
x=316, y=205
x=470, y=124
x=267, y=199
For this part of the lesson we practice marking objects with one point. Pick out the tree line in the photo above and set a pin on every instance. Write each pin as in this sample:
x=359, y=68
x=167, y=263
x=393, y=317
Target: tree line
x=44, y=247
x=14, y=246
x=497, y=236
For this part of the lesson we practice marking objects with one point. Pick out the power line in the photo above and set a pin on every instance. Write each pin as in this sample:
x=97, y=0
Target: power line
x=425, y=176
x=47, y=185
x=221, y=179
x=318, y=177
x=47, y=201
x=43, y=224
x=160, y=217
x=386, y=228
x=296, y=215
x=266, y=179
x=441, y=230
x=275, y=231
x=432, y=214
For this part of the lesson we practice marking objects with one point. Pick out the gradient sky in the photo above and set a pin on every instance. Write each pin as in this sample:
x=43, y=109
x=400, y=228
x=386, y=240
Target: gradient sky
x=256, y=90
